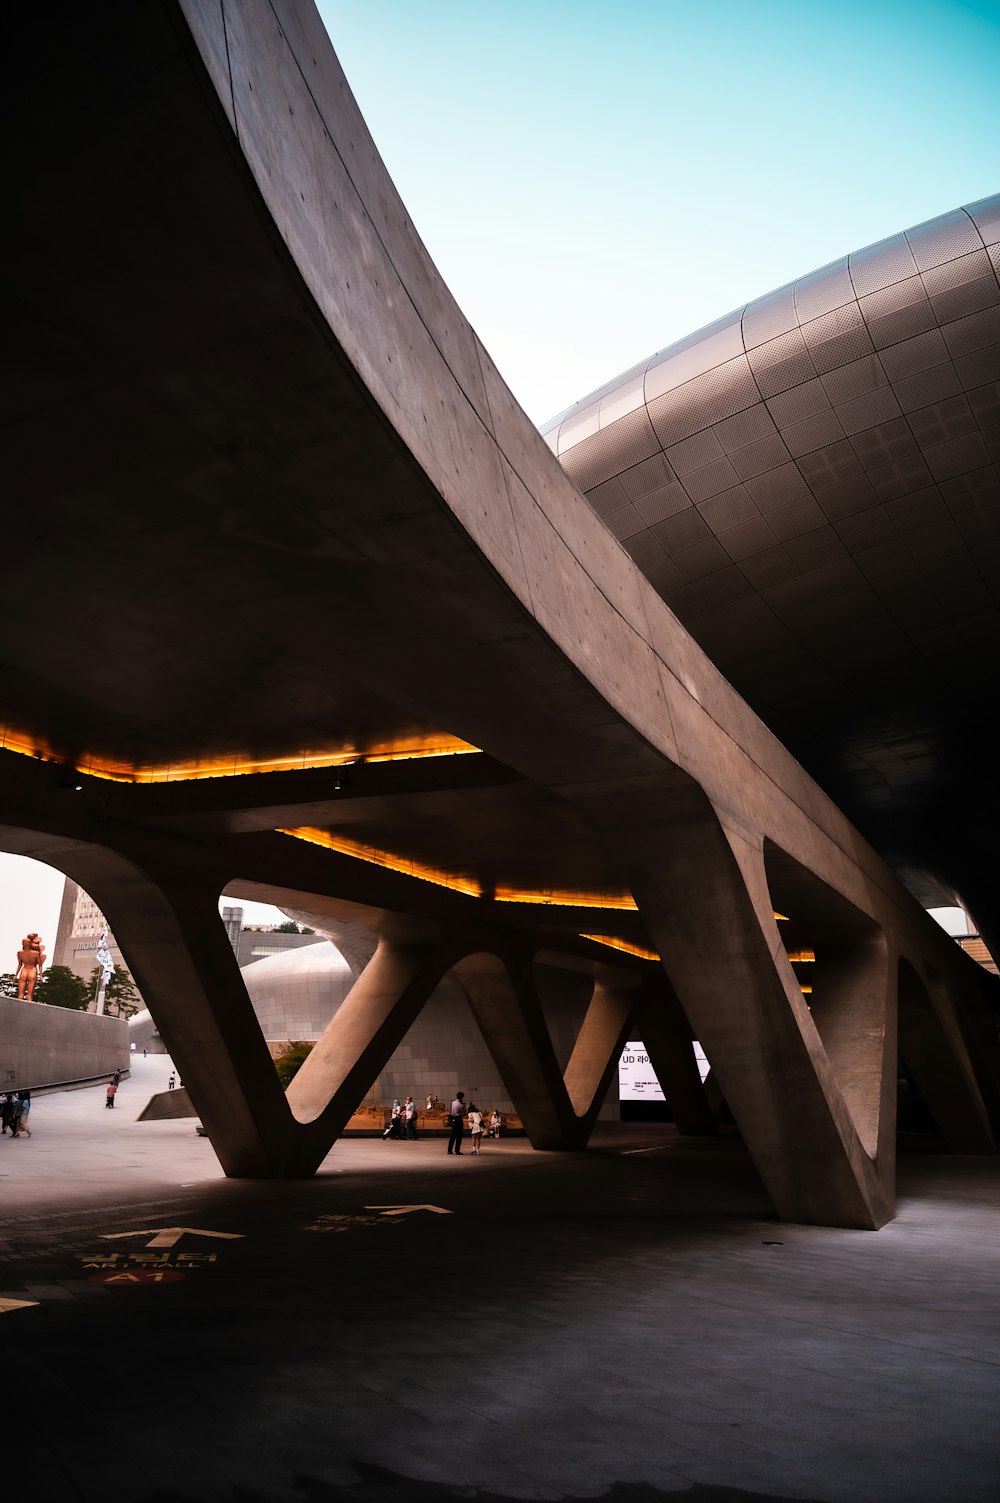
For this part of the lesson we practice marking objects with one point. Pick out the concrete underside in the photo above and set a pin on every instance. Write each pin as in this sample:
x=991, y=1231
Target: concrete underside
x=631, y=1325
x=244, y=394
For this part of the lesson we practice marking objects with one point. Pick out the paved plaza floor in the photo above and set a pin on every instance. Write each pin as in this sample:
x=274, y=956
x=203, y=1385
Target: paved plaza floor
x=628, y=1324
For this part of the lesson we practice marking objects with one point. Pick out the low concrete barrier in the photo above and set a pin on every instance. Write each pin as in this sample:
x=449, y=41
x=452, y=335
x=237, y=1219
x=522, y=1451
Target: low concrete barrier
x=166, y=1105
x=44, y=1046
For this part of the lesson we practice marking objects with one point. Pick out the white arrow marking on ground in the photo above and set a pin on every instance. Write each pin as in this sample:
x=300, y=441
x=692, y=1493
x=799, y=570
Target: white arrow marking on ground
x=169, y=1236
x=402, y=1210
x=16, y=1304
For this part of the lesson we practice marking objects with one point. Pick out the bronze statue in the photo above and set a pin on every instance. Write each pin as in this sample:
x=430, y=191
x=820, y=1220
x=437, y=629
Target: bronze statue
x=30, y=964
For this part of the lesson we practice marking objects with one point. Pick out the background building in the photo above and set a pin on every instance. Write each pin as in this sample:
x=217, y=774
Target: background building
x=80, y=926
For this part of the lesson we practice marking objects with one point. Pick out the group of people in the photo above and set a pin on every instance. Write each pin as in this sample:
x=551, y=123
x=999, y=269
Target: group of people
x=477, y=1124
x=403, y=1122
x=15, y=1109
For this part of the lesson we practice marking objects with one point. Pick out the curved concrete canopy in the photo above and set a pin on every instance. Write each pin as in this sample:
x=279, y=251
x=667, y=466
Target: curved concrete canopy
x=811, y=485
x=289, y=506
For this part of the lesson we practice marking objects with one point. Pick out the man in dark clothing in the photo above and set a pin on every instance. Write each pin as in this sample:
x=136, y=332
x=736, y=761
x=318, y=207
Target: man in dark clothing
x=455, y=1122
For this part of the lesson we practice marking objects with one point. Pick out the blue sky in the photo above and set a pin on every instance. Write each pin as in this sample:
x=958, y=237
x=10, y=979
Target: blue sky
x=595, y=181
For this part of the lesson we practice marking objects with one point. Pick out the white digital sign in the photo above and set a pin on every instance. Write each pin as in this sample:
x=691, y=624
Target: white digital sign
x=636, y=1079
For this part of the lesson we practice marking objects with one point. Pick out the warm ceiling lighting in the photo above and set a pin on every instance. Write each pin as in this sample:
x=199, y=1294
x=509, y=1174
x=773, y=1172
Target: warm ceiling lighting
x=805, y=990
x=614, y=943
x=386, y=859
x=393, y=862
x=405, y=750
x=555, y=898
x=802, y=957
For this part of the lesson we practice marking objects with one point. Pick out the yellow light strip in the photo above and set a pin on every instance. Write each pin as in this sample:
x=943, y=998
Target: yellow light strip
x=385, y=859
x=782, y=918
x=237, y=766
x=805, y=990
x=613, y=943
x=553, y=898
x=802, y=957
x=390, y=861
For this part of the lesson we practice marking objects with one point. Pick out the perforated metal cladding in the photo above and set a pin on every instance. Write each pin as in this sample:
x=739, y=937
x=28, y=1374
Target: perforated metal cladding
x=607, y=452
x=985, y=215
x=822, y=474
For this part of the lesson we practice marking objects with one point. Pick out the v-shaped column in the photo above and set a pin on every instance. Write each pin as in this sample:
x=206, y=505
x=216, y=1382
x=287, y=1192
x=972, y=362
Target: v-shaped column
x=180, y=956
x=557, y=1111
x=703, y=894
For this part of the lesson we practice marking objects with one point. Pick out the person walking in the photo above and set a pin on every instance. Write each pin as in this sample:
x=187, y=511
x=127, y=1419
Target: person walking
x=172, y=1081
x=6, y=1111
x=495, y=1124
x=455, y=1120
x=395, y=1128
x=15, y=1114
x=476, y=1127
x=410, y=1120
x=22, y=1120
x=109, y=1101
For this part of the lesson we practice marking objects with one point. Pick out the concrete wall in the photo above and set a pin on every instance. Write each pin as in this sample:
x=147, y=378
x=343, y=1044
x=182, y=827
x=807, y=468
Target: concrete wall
x=42, y=1045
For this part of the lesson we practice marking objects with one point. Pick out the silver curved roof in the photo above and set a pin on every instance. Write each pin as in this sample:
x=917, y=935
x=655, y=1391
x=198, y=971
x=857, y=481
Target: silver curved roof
x=811, y=484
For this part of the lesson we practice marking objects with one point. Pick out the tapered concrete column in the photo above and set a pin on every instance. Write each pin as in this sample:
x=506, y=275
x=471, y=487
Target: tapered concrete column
x=703, y=894
x=850, y=1009
x=506, y=1007
x=599, y=1044
x=367, y=1028
x=666, y=1033
x=933, y=1052
x=557, y=1112
x=177, y=949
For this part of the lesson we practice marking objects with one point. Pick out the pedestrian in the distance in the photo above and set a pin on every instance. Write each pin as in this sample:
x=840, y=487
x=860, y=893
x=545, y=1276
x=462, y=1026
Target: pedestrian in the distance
x=15, y=1113
x=456, y=1118
x=495, y=1124
x=410, y=1120
x=476, y=1127
x=6, y=1111
x=145, y=1052
x=109, y=1100
x=172, y=1081
x=22, y=1121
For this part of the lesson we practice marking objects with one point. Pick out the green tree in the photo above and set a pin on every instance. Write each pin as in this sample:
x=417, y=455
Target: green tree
x=288, y=927
x=121, y=1000
x=8, y=984
x=291, y=1059
x=62, y=987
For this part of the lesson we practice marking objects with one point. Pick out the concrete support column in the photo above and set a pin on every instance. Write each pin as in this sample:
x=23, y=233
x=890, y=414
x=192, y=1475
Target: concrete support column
x=506, y=1006
x=850, y=1010
x=367, y=1028
x=599, y=1044
x=557, y=1112
x=177, y=949
x=666, y=1033
x=931, y=1045
x=702, y=891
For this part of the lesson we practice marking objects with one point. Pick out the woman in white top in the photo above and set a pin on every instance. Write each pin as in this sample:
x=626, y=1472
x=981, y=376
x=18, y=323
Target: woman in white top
x=495, y=1124
x=476, y=1127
